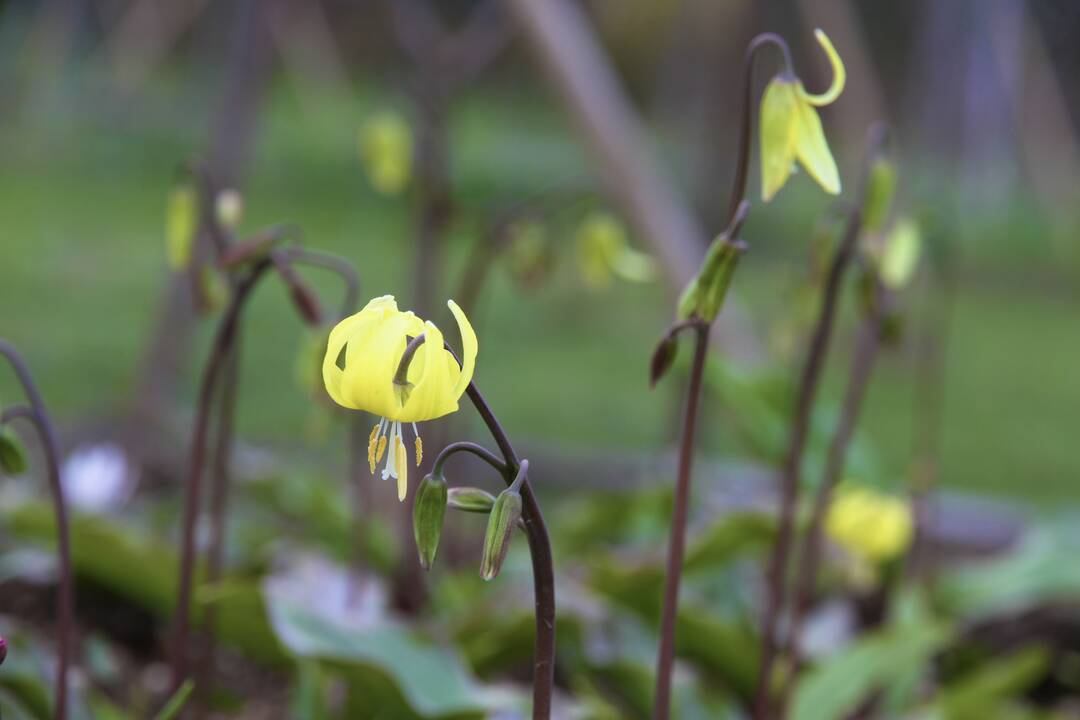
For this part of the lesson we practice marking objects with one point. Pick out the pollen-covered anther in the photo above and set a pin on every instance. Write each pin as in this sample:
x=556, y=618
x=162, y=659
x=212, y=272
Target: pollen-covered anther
x=381, y=451
x=419, y=451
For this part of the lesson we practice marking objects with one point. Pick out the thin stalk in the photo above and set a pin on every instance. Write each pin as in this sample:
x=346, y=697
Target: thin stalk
x=677, y=542
x=219, y=353
x=742, y=161
x=542, y=563
x=38, y=415
x=473, y=449
x=219, y=497
x=535, y=531
x=866, y=352
x=790, y=476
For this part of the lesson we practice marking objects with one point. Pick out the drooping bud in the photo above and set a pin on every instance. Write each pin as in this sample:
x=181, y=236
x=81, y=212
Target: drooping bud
x=500, y=529
x=880, y=189
x=386, y=149
x=3, y=650
x=229, y=208
x=181, y=223
x=470, y=499
x=901, y=254
x=662, y=358
x=306, y=302
x=429, y=509
x=212, y=289
x=12, y=454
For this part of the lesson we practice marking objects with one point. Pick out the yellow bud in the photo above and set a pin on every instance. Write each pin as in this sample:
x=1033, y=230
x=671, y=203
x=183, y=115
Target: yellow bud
x=386, y=149
x=901, y=254
x=181, y=223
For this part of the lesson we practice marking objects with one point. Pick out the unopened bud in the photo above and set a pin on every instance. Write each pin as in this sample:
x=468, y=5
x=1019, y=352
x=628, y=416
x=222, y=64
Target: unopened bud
x=181, y=223
x=880, y=189
x=470, y=499
x=429, y=508
x=229, y=208
x=662, y=358
x=3, y=650
x=12, y=455
x=500, y=528
x=704, y=296
x=212, y=290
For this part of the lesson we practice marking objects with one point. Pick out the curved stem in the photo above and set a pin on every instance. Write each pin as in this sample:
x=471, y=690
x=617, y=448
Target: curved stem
x=65, y=602
x=742, y=162
x=677, y=543
x=539, y=542
x=219, y=353
x=338, y=265
x=791, y=472
x=469, y=447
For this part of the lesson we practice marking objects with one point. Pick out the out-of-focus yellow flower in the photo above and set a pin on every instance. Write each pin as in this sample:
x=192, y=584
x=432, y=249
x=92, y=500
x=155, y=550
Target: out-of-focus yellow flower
x=181, y=222
x=229, y=208
x=791, y=129
x=869, y=525
x=604, y=252
x=362, y=358
x=386, y=149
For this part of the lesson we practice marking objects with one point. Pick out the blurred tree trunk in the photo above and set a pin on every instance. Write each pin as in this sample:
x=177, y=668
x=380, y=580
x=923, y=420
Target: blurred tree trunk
x=228, y=152
x=571, y=56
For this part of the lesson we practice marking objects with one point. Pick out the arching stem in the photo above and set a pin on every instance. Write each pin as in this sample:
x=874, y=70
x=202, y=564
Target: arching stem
x=38, y=415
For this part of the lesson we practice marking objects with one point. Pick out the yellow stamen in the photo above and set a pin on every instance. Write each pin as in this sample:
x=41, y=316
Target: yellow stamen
x=402, y=461
x=372, y=442
x=419, y=451
x=381, y=451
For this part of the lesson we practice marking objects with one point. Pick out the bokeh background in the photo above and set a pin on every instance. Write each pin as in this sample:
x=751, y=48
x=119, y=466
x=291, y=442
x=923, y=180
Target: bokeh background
x=102, y=100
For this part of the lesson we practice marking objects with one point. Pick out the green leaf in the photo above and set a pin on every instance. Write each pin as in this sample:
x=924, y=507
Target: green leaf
x=12, y=454
x=836, y=687
x=981, y=692
x=176, y=702
x=388, y=669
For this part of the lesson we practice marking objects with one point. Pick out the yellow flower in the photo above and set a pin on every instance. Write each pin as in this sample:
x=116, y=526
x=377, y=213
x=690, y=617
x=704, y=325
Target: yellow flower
x=362, y=358
x=791, y=129
x=870, y=525
x=386, y=148
x=604, y=252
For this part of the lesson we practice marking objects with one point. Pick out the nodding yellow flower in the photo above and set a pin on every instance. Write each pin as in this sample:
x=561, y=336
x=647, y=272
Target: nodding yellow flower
x=870, y=525
x=386, y=148
x=604, y=252
x=791, y=129
x=362, y=358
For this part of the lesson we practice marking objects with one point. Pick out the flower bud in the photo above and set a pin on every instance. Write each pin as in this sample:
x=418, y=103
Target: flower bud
x=470, y=499
x=12, y=455
x=880, y=189
x=229, y=208
x=212, y=289
x=662, y=358
x=386, y=149
x=181, y=223
x=901, y=254
x=704, y=296
x=500, y=528
x=3, y=650
x=429, y=508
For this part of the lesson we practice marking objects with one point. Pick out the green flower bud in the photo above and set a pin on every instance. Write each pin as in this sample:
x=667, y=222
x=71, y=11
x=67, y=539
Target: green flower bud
x=229, y=208
x=704, y=296
x=879, y=194
x=471, y=499
x=901, y=255
x=12, y=455
x=429, y=508
x=181, y=223
x=504, y=517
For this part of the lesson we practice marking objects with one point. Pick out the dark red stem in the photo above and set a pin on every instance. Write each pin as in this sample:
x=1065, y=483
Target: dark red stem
x=65, y=602
x=677, y=542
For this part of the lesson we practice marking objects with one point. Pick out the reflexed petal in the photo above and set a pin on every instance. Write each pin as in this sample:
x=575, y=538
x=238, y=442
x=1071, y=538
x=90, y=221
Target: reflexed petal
x=778, y=131
x=839, y=74
x=812, y=149
x=468, y=349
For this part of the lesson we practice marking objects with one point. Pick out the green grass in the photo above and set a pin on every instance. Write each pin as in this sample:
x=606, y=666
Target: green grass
x=82, y=266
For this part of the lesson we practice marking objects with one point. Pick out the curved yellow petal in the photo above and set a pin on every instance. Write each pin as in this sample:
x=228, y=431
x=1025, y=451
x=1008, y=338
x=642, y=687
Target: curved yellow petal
x=839, y=73
x=333, y=376
x=469, y=348
x=812, y=149
x=777, y=132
